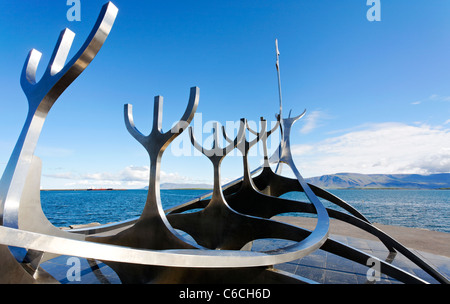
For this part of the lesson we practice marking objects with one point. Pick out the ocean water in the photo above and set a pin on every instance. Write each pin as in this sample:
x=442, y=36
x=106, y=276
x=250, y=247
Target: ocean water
x=64, y=208
x=429, y=209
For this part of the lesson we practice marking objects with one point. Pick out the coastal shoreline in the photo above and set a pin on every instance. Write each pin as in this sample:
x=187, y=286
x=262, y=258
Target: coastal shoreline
x=430, y=241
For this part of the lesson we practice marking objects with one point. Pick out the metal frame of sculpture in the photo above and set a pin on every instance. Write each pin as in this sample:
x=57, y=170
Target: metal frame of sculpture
x=149, y=249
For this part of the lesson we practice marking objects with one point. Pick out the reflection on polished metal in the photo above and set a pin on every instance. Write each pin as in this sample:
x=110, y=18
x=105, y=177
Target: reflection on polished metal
x=151, y=248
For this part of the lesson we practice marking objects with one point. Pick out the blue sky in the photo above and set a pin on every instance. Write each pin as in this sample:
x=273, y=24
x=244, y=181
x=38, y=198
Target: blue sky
x=377, y=93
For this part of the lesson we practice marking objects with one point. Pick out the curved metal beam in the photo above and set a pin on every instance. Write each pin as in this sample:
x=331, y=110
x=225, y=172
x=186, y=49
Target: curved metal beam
x=185, y=258
x=41, y=97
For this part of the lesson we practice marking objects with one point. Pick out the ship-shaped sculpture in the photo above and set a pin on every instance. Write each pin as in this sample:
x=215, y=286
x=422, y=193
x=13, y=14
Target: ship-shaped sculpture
x=150, y=249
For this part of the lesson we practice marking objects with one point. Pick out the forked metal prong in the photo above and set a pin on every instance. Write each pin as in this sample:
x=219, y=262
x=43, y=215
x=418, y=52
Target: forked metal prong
x=264, y=137
x=224, y=133
x=158, y=140
x=216, y=151
x=239, y=137
x=244, y=145
x=94, y=42
x=260, y=134
x=28, y=76
x=129, y=123
x=189, y=113
x=294, y=119
x=41, y=96
x=268, y=133
x=61, y=52
x=194, y=141
x=245, y=141
x=157, y=114
x=215, y=143
x=56, y=71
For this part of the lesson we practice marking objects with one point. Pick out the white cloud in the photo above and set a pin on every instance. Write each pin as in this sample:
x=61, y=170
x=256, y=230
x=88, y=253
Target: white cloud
x=129, y=177
x=130, y=173
x=48, y=151
x=313, y=121
x=301, y=149
x=378, y=148
x=433, y=97
x=370, y=148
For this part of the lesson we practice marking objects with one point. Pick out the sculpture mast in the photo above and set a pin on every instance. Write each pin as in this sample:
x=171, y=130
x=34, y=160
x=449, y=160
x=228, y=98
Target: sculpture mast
x=279, y=78
x=278, y=168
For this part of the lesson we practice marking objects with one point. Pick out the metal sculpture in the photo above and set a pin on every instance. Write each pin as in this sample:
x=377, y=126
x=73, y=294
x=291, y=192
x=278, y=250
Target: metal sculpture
x=41, y=97
x=149, y=249
x=20, y=183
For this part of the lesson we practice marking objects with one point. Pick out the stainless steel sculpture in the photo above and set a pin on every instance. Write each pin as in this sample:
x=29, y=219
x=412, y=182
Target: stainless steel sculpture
x=150, y=249
x=20, y=183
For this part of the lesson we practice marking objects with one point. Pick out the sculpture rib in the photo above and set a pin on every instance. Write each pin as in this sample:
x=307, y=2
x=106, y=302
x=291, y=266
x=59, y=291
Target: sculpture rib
x=41, y=97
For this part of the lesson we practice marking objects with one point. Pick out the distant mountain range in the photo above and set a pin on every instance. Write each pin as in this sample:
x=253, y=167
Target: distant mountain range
x=355, y=180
